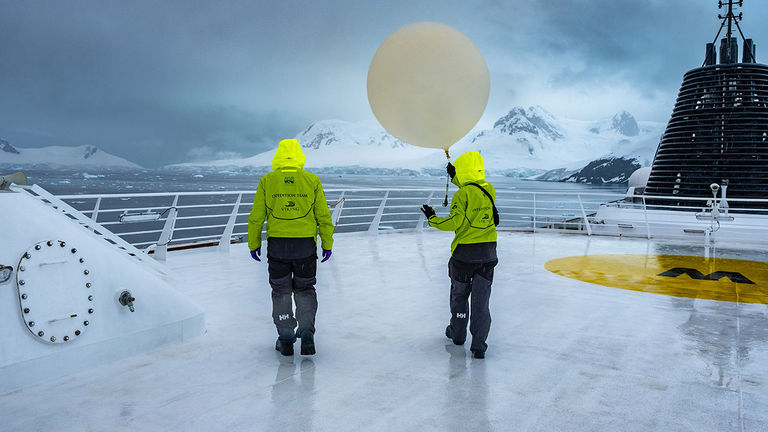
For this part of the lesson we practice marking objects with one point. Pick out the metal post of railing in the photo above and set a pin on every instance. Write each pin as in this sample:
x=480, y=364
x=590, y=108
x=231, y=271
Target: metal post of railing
x=95, y=213
x=161, y=251
x=534, y=212
x=337, y=210
x=226, y=236
x=374, y=228
x=422, y=218
x=645, y=215
x=584, y=216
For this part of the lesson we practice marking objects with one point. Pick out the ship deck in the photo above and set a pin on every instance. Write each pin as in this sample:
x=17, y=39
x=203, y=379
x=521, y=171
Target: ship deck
x=563, y=354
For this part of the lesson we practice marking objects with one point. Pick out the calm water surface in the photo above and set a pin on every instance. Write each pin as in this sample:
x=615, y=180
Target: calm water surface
x=69, y=182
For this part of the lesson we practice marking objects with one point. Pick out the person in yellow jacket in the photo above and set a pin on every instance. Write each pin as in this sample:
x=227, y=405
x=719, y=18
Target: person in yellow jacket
x=473, y=217
x=293, y=203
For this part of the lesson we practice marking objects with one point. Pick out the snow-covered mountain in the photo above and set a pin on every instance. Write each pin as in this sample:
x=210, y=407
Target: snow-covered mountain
x=7, y=148
x=523, y=143
x=624, y=123
x=609, y=169
x=342, y=146
x=626, y=145
x=535, y=138
x=59, y=156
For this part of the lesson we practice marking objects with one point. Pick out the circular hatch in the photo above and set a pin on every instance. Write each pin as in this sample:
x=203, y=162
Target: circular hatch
x=55, y=291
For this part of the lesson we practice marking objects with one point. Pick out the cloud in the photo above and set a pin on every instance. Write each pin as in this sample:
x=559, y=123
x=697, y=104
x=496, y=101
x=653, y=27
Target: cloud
x=153, y=81
x=205, y=154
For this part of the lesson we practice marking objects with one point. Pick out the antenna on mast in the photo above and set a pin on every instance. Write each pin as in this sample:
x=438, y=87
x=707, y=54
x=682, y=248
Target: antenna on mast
x=730, y=17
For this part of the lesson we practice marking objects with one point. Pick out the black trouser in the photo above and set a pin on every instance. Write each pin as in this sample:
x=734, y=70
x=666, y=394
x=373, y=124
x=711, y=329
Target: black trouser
x=474, y=279
x=293, y=277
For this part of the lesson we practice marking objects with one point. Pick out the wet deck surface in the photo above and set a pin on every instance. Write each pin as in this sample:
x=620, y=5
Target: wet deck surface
x=563, y=354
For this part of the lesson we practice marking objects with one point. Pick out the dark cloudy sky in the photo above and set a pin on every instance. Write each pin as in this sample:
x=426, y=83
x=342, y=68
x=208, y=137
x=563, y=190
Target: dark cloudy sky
x=169, y=81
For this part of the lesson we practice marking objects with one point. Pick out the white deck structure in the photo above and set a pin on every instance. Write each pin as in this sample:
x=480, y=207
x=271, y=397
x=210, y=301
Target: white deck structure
x=563, y=354
x=60, y=307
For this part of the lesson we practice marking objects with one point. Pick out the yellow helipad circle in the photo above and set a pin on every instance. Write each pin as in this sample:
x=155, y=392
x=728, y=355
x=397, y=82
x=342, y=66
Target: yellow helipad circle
x=721, y=279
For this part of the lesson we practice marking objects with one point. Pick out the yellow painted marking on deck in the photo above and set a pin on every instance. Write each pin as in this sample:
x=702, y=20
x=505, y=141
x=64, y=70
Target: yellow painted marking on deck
x=721, y=279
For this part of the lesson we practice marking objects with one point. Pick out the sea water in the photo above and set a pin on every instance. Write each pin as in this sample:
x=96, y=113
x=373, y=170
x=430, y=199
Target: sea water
x=71, y=182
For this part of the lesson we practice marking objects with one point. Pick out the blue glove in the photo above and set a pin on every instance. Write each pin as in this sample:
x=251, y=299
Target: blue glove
x=256, y=253
x=326, y=255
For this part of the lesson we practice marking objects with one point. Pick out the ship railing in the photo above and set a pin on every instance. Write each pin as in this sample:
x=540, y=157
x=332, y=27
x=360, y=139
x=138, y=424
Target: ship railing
x=178, y=220
x=60, y=206
x=745, y=220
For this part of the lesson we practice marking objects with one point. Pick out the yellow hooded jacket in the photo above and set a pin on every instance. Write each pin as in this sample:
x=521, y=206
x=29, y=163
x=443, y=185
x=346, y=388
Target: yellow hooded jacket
x=471, y=214
x=291, y=200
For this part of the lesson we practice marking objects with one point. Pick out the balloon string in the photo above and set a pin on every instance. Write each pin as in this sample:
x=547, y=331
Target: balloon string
x=447, y=179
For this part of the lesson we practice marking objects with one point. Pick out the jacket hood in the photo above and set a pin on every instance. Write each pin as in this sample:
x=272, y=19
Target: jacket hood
x=288, y=156
x=469, y=169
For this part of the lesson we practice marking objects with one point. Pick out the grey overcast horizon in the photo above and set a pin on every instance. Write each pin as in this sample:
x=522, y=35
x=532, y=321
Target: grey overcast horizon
x=176, y=81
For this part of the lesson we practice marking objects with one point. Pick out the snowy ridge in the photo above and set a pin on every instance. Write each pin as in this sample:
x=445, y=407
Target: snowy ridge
x=59, y=156
x=535, y=138
x=342, y=146
x=7, y=148
x=524, y=142
x=624, y=123
x=604, y=170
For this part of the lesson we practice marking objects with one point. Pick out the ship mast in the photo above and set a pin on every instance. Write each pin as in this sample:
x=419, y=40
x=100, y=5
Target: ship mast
x=730, y=19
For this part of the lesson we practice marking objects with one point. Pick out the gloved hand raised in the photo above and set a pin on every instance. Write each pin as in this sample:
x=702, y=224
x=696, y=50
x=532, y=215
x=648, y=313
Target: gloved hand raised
x=428, y=211
x=256, y=253
x=451, y=170
x=326, y=255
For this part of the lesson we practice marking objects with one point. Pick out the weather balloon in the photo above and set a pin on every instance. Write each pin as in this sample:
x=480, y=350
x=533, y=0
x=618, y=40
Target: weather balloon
x=428, y=85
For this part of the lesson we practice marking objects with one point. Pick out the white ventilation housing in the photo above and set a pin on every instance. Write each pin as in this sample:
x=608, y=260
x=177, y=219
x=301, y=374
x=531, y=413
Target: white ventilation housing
x=639, y=178
x=63, y=309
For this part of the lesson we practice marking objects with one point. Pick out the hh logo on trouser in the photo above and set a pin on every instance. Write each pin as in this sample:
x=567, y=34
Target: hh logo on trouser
x=283, y=317
x=461, y=315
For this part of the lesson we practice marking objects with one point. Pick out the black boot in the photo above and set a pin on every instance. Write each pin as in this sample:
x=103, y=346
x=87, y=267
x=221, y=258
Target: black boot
x=308, y=344
x=478, y=354
x=449, y=335
x=285, y=347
